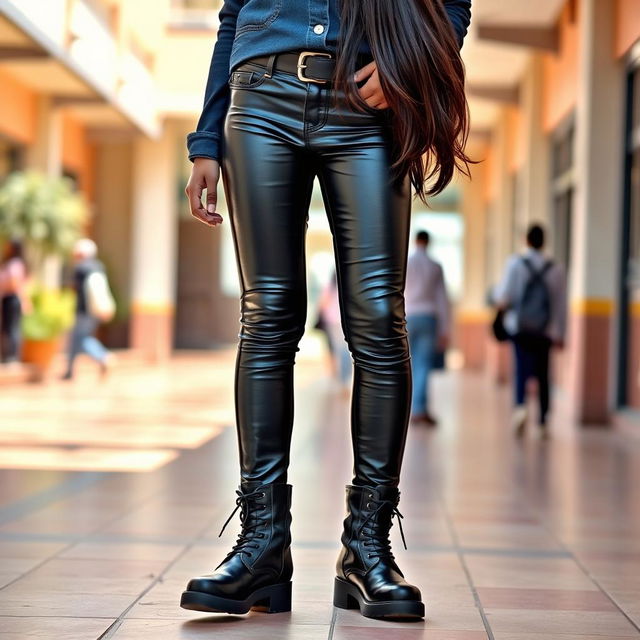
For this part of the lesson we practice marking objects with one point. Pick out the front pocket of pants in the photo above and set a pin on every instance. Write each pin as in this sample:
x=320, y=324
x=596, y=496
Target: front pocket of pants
x=246, y=79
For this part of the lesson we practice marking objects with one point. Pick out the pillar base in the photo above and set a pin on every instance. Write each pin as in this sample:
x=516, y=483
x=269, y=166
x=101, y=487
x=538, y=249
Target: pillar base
x=151, y=331
x=589, y=360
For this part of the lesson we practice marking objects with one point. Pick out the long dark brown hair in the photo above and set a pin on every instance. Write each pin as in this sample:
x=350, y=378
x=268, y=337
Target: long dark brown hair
x=422, y=77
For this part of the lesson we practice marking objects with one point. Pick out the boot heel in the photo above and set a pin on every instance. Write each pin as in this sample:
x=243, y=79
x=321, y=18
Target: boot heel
x=276, y=599
x=341, y=596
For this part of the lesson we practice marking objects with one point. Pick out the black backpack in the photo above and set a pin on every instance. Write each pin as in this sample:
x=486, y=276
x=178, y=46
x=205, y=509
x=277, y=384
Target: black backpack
x=533, y=310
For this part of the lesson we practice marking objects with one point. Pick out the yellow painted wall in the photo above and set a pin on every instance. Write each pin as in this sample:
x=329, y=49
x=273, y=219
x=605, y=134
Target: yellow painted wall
x=18, y=110
x=560, y=72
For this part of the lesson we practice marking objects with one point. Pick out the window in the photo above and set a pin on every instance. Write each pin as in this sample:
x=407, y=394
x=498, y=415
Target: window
x=628, y=321
x=11, y=158
x=194, y=14
x=563, y=192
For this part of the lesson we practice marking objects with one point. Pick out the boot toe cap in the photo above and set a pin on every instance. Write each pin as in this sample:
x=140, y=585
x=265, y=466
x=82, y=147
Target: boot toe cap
x=204, y=584
x=398, y=592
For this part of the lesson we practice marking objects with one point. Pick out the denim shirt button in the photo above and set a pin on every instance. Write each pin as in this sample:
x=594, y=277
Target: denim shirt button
x=319, y=28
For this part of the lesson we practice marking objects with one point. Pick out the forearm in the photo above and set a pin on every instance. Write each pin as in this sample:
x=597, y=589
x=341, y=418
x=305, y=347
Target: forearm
x=205, y=141
x=459, y=12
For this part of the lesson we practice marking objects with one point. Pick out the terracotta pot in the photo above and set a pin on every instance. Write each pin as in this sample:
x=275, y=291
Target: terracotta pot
x=39, y=354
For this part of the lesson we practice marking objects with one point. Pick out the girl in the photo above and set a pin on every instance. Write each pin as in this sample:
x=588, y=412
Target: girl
x=367, y=96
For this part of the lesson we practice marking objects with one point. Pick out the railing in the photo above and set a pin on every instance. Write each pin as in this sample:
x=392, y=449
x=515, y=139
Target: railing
x=181, y=17
x=106, y=51
x=48, y=16
x=92, y=42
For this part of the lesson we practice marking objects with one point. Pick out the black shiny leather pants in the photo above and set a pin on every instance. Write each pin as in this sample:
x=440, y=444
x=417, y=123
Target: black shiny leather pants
x=281, y=132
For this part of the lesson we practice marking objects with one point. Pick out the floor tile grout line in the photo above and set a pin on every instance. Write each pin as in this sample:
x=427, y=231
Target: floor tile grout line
x=465, y=568
x=546, y=525
x=117, y=623
x=80, y=539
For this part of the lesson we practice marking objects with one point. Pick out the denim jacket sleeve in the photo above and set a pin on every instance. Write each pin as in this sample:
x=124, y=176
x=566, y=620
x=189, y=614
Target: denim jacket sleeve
x=205, y=141
x=459, y=12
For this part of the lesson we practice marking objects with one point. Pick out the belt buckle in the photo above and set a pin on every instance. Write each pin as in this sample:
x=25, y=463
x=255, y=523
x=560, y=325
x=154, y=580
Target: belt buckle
x=301, y=60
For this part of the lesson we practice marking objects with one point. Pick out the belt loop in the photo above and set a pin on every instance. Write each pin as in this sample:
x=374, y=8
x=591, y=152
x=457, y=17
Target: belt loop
x=270, y=65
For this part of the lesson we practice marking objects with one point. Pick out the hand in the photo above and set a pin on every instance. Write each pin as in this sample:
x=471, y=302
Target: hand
x=371, y=90
x=443, y=342
x=204, y=175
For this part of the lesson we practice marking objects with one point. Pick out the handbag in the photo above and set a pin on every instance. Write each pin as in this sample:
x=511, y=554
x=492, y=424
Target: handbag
x=100, y=302
x=497, y=327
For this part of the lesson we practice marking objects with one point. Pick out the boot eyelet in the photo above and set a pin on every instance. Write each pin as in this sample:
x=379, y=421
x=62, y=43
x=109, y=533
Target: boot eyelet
x=368, y=505
x=263, y=495
x=371, y=495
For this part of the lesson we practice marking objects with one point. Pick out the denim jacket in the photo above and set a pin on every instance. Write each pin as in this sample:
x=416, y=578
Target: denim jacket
x=250, y=28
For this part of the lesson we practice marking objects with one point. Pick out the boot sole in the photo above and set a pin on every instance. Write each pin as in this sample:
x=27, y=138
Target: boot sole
x=273, y=599
x=348, y=596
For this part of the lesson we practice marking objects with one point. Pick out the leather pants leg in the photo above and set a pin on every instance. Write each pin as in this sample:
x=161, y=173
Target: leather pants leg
x=280, y=133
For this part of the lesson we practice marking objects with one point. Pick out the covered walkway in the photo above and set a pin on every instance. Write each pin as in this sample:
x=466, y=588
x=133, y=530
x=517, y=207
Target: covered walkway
x=107, y=510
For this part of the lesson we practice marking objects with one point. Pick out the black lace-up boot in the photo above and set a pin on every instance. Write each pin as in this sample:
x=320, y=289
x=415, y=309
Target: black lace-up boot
x=256, y=573
x=368, y=576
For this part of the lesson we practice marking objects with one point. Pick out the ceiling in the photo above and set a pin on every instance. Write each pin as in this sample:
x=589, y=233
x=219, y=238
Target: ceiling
x=517, y=12
x=498, y=65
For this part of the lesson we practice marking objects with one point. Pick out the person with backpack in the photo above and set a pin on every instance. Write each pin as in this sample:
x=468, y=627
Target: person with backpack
x=533, y=296
x=94, y=304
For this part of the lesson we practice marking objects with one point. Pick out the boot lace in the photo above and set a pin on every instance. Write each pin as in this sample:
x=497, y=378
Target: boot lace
x=250, y=523
x=376, y=534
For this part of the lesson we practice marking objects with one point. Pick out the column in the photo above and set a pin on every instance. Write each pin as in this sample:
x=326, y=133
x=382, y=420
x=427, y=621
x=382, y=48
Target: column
x=534, y=195
x=45, y=155
x=595, y=242
x=500, y=227
x=473, y=317
x=154, y=241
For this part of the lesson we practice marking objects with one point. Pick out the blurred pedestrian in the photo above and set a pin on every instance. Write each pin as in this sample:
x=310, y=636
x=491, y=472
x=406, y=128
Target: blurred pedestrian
x=533, y=296
x=13, y=300
x=428, y=322
x=92, y=296
x=329, y=306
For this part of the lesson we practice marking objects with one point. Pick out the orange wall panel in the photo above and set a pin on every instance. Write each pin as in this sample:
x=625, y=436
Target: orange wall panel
x=627, y=25
x=18, y=110
x=78, y=154
x=515, y=139
x=560, y=71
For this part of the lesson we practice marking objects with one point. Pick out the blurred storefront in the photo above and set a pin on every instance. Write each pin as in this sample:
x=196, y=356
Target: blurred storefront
x=105, y=91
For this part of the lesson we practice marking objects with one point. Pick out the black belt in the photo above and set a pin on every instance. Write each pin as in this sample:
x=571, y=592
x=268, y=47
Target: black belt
x=308, y=66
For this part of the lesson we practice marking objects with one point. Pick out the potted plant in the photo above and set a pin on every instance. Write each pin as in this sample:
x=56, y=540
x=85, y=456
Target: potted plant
x=47, y=215
x=51, y=314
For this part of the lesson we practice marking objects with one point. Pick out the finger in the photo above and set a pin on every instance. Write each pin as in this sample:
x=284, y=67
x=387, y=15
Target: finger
x=195, y=197
x=212, y=193
x=375, y=100
x=197, y=209
x=368, y=90
x=365, y=71
x=210, y=220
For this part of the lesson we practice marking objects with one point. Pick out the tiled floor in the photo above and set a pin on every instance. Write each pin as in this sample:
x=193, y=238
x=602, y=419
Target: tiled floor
x=112, y=496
